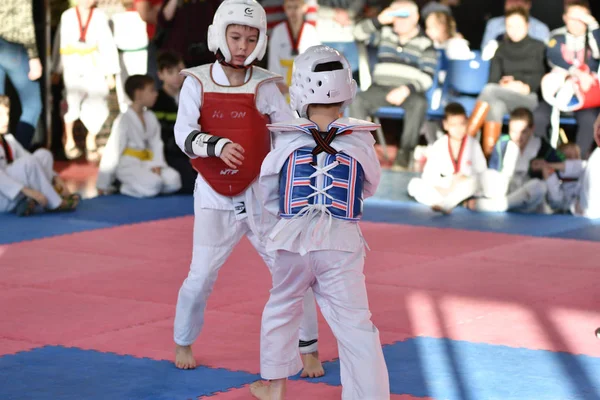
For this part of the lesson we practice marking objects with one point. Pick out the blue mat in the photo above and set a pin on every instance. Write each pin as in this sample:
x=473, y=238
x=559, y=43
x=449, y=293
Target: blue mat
x=52, y=373
x=110, y=211
x=457, y=370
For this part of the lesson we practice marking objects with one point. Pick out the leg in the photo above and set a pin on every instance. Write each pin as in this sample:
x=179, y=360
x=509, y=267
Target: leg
x=585, y=129
x=423, y=192
x=462, y=189
x=528, y=197
x=30, y=173
x=211, y=249
x=367, y=103
x=46, y=160
x=282, y=316
x=541, y=119
x=415, y=106
x=171, y=180
x=309, y=327
x=74, y=98
x=138, y=181
x=94, y=111
x=342, y=296
x=16, y=65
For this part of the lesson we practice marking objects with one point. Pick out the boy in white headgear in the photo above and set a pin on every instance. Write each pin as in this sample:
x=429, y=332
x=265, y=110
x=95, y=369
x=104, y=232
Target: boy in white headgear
x=221, y=125
x=315, y=179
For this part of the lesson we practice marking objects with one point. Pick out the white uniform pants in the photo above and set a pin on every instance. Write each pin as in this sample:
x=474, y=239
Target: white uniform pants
x=338, y=283
x=216, y=232
x=86, y=100
x=137, y=180
x=28, y=170
x=589, y=196
x=425, y=193
x=529, y=197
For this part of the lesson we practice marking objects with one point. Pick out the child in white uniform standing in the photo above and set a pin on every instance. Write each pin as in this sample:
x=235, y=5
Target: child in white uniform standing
x=221, y=125
x=289, y=39
x=315, y=179
x=86, y=54
x=454, y=163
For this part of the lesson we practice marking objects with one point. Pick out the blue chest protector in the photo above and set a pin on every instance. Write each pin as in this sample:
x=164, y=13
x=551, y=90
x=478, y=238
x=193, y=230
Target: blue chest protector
x=337, y=185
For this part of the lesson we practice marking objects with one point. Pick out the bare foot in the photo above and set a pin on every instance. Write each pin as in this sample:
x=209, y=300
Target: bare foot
x=440, y=209
x=260, y=390
x=312, y=365
x=274, y=390
x=184, y=359
x=470, y=204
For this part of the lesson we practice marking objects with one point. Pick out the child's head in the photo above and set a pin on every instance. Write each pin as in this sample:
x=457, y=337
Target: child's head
x=169, y=65
x=455, y=121
x=571, y=17
x=294, y=10
x=520, y=126
x=517, y=23
x=571, y=151
x=440, y=26
x=4, y=114
x=141, y=90
x=321, y=77
x=238, y=34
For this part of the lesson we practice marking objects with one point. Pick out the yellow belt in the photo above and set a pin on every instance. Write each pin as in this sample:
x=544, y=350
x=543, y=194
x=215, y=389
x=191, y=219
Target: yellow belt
x=143, y=155
x=82, y=51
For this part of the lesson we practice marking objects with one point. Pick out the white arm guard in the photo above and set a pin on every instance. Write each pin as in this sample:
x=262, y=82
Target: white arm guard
x=205, y=145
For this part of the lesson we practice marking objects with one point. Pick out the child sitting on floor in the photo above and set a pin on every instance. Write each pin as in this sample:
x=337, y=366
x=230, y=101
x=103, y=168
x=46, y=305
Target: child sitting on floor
x=454, y=163
x=26, y=180
x=134, y=151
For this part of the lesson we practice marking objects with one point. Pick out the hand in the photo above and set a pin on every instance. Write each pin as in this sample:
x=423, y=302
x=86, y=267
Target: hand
x=505, y=80
x=547, y=172
x=55, y=78
x=583, y=16
x=385, y=17
x=232, y=155
x=35, y=195
x=110, y=82
x=342, y=17
x=597, y=130
x=35, y=69
x=586, y=81
x=156, y=170
x=538, y=164
x=398, y=95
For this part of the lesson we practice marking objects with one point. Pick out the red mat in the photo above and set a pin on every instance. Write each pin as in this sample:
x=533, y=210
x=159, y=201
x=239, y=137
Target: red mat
x=300, y=391
x=115, y=290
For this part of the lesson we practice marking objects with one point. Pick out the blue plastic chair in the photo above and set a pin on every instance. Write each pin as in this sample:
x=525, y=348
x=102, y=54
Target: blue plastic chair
x=349, y=50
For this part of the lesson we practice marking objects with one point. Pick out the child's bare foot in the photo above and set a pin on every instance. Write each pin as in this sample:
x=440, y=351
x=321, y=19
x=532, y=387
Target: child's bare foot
x=440, y=209
x=269, y=391
x=184, y=358
x=312, y=365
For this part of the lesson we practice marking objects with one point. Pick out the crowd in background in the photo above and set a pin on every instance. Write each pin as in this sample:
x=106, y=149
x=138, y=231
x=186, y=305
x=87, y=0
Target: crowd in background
x=98, y=45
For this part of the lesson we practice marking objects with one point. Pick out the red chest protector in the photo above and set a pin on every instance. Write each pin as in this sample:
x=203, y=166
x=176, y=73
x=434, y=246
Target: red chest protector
x=231, y=112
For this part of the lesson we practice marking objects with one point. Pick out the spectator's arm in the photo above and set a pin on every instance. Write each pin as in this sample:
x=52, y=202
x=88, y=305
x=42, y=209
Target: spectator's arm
x=167, y=12
x=147, y=11
x=496, y=72
x=554, y=55
x=427, y=67
x=493, y=29
x=368, y=31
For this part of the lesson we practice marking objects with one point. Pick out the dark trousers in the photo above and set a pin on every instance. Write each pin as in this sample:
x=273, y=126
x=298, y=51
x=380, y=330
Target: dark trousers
x=415, y=107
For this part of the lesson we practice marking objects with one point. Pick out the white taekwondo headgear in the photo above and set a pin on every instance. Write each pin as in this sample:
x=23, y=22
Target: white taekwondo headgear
x=238, y=12
x=326, y=87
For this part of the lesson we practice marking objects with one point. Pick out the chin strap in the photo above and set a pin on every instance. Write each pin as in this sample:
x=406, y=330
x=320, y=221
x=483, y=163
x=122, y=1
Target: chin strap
x=221, y=60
